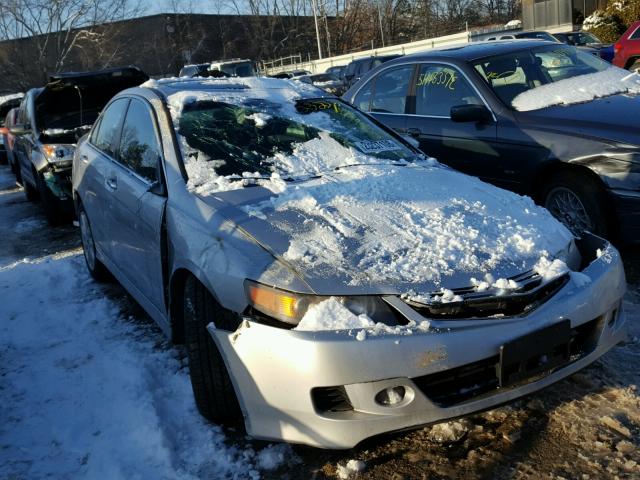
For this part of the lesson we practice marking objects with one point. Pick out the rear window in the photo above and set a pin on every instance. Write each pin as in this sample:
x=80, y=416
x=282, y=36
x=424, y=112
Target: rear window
x=635, y=35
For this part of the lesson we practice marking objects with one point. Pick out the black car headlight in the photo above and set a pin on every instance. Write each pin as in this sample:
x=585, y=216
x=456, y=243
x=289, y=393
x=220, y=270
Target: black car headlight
x=290, y=307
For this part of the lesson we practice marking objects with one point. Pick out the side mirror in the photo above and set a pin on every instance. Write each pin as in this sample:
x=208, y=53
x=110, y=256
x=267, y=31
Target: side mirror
x=157, y=188
x=19, y=130
x=470, y=113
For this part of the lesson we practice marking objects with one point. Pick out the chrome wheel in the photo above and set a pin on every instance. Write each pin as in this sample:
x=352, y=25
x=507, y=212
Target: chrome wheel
x=88, y=247
x=567, y=207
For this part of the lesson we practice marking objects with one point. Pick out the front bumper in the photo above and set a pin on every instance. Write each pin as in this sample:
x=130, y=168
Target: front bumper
x=278, y=373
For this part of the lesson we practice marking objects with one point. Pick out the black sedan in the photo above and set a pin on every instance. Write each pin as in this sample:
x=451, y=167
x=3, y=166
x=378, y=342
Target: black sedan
x=534, y=117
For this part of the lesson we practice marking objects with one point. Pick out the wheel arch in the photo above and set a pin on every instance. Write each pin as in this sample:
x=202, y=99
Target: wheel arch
x=177, y=281
x=631, y=60
x=556, y=167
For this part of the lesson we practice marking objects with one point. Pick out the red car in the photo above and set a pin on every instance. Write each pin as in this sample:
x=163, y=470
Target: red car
x=627, y=49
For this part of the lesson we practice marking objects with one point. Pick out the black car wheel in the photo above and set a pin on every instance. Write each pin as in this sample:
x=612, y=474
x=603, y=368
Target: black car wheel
x=96, y=268
x=212, y=387
x=30, y=191
x=50, y=203
x=578, y=202
x=635, y=66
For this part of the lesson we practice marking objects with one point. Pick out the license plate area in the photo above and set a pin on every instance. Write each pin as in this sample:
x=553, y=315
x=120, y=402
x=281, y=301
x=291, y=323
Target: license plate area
x=535, y=353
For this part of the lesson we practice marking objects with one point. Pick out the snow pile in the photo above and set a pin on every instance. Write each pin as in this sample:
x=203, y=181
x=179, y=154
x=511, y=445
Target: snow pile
x=449, y=432
x=598, y=18
x=352, y=467
x=87, y=394
x=331, y=314
x=260, y=119
x=516, y=23
x=582, y=88
x=409, y=225
x=274, y=456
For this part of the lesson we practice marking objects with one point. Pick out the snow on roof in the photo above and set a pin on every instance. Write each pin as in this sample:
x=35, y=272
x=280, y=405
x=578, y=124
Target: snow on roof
x=258, y=84
x=582, y=88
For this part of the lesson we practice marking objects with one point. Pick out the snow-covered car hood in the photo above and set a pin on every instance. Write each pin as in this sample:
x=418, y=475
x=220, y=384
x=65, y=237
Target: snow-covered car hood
x=418, y=228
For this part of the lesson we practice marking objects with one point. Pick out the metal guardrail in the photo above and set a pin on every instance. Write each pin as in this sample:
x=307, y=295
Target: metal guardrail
x=320, y=66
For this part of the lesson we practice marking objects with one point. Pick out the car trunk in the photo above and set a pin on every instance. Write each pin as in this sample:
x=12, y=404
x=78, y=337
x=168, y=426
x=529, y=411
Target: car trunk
x=70, y=103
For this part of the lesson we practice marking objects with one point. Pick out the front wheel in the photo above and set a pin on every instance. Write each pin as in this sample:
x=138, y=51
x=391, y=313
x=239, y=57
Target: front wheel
x=212, y=387
x=578, y=202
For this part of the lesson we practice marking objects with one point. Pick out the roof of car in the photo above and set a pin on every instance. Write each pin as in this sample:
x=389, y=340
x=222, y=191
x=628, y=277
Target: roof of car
x=475, y=50
x=170, y=86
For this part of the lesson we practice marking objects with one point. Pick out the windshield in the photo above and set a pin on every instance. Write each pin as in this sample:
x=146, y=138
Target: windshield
x=323, y=77
x=538, y=35
x=238, y=69
x=258, y=138
x=515, y=73
x=583, y=38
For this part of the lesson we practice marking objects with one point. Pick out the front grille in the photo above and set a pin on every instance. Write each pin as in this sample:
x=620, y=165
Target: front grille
x=531, y=293
x=454, y=386
x=457, y=385
x=331, y=399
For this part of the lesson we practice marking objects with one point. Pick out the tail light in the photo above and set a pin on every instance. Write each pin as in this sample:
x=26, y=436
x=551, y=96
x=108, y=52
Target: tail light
x=617, y=47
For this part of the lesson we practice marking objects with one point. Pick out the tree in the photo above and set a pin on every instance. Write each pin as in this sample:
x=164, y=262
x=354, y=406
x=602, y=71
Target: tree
x=52, y=31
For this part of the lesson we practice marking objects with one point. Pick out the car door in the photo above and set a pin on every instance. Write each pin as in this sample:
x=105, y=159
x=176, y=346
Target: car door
x=96, y=162
x=470, y=147
x=137, y=204
x=387, y=96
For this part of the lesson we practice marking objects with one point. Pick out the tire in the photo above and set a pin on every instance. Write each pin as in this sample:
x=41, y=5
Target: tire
x=50, y=203
x=212, y=388
x=96, y=268
x=578, y=202
x=635, y=66
x=29, y=191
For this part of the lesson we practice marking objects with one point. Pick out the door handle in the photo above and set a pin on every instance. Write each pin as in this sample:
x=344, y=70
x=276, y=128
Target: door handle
x=84, y=158
x=111, y=183
x=414, y=132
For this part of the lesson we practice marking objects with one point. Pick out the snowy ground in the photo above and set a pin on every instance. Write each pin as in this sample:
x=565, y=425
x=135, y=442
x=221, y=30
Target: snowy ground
x=89, y=388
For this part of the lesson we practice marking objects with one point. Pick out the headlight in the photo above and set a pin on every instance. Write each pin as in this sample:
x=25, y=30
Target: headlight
x=290, y=307
x=56, y=153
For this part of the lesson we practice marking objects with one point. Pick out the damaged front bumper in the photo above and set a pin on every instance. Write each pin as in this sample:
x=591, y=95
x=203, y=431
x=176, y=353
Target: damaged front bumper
x=330, y=390
x=58, y=181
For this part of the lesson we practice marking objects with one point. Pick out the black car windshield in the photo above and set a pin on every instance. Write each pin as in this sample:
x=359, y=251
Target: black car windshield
x=514, y=73
x=257, y=136
x=537, y=35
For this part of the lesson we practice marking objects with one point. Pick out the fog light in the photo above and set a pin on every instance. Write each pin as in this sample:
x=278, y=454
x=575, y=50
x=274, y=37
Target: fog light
x=390, y=397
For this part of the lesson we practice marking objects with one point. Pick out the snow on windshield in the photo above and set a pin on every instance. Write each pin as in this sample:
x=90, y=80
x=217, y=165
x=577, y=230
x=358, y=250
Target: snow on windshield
x=262, y=136
x=579, y=89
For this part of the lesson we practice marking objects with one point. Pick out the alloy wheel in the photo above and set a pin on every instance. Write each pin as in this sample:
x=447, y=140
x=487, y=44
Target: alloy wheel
x=566, y=206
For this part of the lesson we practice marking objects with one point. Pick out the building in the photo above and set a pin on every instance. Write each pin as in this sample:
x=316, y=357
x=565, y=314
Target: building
x=557, y=15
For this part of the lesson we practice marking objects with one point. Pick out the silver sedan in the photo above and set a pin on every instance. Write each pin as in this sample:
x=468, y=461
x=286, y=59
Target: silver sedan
x=329, y=281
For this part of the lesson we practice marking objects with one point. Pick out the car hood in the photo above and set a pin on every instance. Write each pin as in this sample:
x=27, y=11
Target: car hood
x=392, y=229
x=614, y=118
